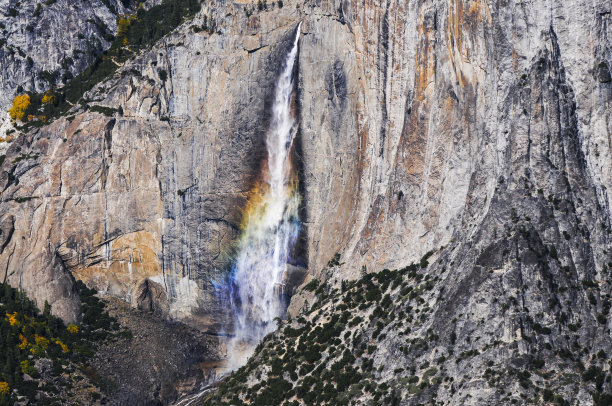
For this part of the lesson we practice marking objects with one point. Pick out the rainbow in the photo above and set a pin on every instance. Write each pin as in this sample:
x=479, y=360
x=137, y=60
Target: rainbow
x=270, y=228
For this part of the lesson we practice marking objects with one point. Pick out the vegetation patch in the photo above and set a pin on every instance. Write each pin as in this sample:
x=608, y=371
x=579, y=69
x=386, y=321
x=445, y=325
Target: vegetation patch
x=41, y=357
x=326, y=356
x=23, y=157
x=107, y=111
x=135, y=33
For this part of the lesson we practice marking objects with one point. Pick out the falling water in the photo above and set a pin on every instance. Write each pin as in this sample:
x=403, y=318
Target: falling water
x=270, y=228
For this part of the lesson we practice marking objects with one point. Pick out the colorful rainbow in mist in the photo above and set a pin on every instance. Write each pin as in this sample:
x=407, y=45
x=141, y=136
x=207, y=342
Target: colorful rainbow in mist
x=270, y=228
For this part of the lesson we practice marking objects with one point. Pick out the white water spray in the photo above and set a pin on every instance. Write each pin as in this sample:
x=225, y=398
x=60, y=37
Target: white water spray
x=270, y=229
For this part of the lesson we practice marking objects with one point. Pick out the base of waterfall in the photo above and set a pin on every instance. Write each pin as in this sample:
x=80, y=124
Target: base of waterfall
x=238, y=351
x=237, y=354
x=238, y=348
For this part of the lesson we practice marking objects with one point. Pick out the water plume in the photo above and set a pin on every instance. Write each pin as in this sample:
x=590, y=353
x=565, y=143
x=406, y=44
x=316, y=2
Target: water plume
x=270, y=228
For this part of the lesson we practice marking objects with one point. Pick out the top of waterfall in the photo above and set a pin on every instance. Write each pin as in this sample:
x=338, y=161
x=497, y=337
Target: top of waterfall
x=297, y=34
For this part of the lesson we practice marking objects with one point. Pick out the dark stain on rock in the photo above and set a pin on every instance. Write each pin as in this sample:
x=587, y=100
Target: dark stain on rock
x=383, y=53
x=335, y=84
x=299, y=256
x=491, y=257
x=107, y=153
x=7, y=227
x=603, y=72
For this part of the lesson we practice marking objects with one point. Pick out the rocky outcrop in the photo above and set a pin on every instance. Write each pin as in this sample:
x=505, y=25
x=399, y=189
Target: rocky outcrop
x=47, y=43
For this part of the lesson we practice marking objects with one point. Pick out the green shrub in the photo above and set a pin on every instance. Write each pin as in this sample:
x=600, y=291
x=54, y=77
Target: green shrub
x=312, y=285
x=335, y=261
x=424, y=261
x=107, y=111
x=373, y=294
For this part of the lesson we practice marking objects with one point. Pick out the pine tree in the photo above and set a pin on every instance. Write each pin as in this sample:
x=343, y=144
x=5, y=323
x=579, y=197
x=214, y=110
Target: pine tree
x=47, y=310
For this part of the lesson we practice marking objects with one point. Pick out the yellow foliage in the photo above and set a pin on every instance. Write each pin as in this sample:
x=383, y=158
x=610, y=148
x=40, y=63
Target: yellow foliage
x=34, y=117
x=73, y=328
x=12, y=318
x=42, y=342
x=20, y=104
x=64, y=346
x=48, y=98
x=27, y=368
x=37, y=350
x=122, y=26
x=24, y=342
x=4, y=388
x=41, y=345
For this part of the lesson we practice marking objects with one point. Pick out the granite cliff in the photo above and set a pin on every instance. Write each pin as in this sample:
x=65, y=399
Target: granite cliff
x=479, y=127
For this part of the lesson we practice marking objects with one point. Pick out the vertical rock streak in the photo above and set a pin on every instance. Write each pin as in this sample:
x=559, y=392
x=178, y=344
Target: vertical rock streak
x=270, y=228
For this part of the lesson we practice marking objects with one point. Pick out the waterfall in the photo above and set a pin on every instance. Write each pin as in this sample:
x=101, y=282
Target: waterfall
x=270, y=228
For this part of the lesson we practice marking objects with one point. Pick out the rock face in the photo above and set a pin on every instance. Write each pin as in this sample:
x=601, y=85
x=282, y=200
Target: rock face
x=47, y=43
x=150, y=197
x=483, y=127
x=421, y=119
